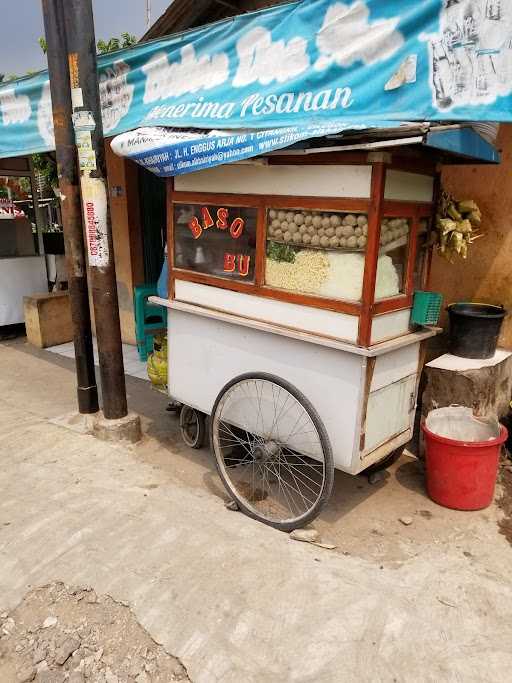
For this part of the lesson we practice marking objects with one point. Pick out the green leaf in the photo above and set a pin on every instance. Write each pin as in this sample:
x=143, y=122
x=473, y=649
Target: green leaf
x=280, y=252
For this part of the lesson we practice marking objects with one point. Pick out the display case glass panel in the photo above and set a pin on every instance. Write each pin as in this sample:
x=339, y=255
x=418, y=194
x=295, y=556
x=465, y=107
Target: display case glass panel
x=318, y=253
x=393, y=256
x=216, y=240
x=422, y=252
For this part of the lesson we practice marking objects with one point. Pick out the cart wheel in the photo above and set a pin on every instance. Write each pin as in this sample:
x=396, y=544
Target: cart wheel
x=193, y=427
x=272, y=451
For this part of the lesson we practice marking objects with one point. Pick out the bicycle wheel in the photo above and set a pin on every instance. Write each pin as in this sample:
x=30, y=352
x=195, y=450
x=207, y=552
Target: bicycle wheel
x=272, y=451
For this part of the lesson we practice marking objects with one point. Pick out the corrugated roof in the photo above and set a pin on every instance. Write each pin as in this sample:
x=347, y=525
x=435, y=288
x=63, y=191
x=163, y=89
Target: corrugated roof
x=184, y=14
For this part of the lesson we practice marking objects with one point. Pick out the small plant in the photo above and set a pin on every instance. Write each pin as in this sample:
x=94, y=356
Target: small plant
x=126, y=40
x=47, y=167
x=104, y=46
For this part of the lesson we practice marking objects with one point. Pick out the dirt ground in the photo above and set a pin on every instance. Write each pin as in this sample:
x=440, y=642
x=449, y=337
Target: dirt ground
x=362, y=519
x=504, y=500
x=60, y=633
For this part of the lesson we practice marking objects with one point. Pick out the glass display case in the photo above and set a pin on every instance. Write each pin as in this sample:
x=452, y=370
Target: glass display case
x=215, y=240
x=315, y=252
x=357, y=256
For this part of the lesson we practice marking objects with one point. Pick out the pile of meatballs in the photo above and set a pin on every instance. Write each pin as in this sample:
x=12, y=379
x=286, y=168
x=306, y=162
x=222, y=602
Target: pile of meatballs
x=329, y=230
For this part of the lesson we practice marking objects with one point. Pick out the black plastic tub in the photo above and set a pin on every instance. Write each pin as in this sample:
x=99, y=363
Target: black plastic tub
x=475, y=329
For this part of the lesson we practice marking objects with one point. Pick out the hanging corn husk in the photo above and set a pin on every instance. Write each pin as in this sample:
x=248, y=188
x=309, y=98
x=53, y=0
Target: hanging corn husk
x=457, y=226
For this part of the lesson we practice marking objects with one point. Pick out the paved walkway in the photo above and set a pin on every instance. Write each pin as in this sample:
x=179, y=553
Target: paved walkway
x=133, y=366
x=235, y=600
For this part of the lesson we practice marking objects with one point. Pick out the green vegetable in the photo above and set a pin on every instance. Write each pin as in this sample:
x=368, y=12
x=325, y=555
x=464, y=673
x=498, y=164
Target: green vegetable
x=280, y=252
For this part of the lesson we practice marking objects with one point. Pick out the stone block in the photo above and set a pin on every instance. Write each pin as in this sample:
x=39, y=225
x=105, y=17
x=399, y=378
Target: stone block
x=48, y=319
x=124, y=429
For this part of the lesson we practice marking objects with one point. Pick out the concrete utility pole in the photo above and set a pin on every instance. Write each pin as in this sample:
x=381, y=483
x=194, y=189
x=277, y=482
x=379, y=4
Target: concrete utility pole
x=148, y=14
x=70, y=205
x=83, y=78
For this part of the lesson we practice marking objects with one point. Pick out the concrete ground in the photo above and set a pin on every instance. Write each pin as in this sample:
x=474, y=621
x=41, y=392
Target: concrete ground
x=133, y=366
x=232, y=599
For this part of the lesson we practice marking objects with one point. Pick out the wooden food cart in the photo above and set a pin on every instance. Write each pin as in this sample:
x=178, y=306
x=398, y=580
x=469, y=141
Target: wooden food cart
x=290, y=294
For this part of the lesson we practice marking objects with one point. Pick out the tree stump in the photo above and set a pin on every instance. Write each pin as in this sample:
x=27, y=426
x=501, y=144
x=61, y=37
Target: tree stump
x=484, y=385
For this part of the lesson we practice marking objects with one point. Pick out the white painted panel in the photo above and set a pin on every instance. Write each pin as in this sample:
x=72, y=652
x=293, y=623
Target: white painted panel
x=409, y=186
x=305, y=181
x=389, y=412
x=316, y=320
x=19, y=277
x=205, y=354
x=390, y=325
x=394, y=366
x=459, y=364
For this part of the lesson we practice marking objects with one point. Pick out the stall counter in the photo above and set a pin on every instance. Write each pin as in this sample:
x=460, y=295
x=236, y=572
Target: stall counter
x=19, y=277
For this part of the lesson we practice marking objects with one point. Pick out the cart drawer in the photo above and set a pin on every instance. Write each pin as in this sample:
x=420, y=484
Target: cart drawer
x=389, y=412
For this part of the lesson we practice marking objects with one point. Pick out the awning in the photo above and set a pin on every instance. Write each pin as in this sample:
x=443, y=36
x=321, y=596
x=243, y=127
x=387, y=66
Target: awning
x=170, y=152
x=315, y=63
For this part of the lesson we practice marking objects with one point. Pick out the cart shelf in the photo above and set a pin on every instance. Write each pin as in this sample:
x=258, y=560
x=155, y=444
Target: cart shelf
x=376, y=350
x=391, y=246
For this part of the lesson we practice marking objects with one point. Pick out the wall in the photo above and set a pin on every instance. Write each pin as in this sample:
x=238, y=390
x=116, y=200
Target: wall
x=127, y=236
x=486, y=276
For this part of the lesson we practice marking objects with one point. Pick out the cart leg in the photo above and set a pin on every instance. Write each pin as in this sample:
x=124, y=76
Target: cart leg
x=386, y=462
x=174, y=407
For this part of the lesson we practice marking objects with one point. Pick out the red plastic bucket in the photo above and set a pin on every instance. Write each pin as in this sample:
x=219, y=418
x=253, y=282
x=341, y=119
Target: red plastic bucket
x=462, y=475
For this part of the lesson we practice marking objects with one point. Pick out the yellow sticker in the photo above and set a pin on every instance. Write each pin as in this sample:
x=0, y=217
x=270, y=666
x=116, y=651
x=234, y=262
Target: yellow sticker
x=73, y=69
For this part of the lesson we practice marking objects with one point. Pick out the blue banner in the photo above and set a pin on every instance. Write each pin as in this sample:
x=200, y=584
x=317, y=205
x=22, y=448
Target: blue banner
x=305, y=64
x=170, y=152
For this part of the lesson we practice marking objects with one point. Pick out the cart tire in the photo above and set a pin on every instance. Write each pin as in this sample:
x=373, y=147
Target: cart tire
x=192, y=427
x=284, y=475
x=386, y=462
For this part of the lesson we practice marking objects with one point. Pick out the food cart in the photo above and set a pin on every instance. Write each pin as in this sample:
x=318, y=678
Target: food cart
x=291, y=283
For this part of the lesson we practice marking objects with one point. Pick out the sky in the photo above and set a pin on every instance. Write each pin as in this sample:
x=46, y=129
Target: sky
x=22, y=25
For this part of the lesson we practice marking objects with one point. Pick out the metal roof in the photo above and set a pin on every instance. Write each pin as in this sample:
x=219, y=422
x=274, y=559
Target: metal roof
x=184, y=14
x=445, y=143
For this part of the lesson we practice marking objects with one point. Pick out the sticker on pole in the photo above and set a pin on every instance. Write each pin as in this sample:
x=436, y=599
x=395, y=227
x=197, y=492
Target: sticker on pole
x=83, y=120
x=86, y=153
x=95, y=212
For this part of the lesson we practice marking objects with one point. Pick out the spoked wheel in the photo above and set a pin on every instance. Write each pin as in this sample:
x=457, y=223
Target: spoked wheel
x=193, y=427
x=272, y=451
